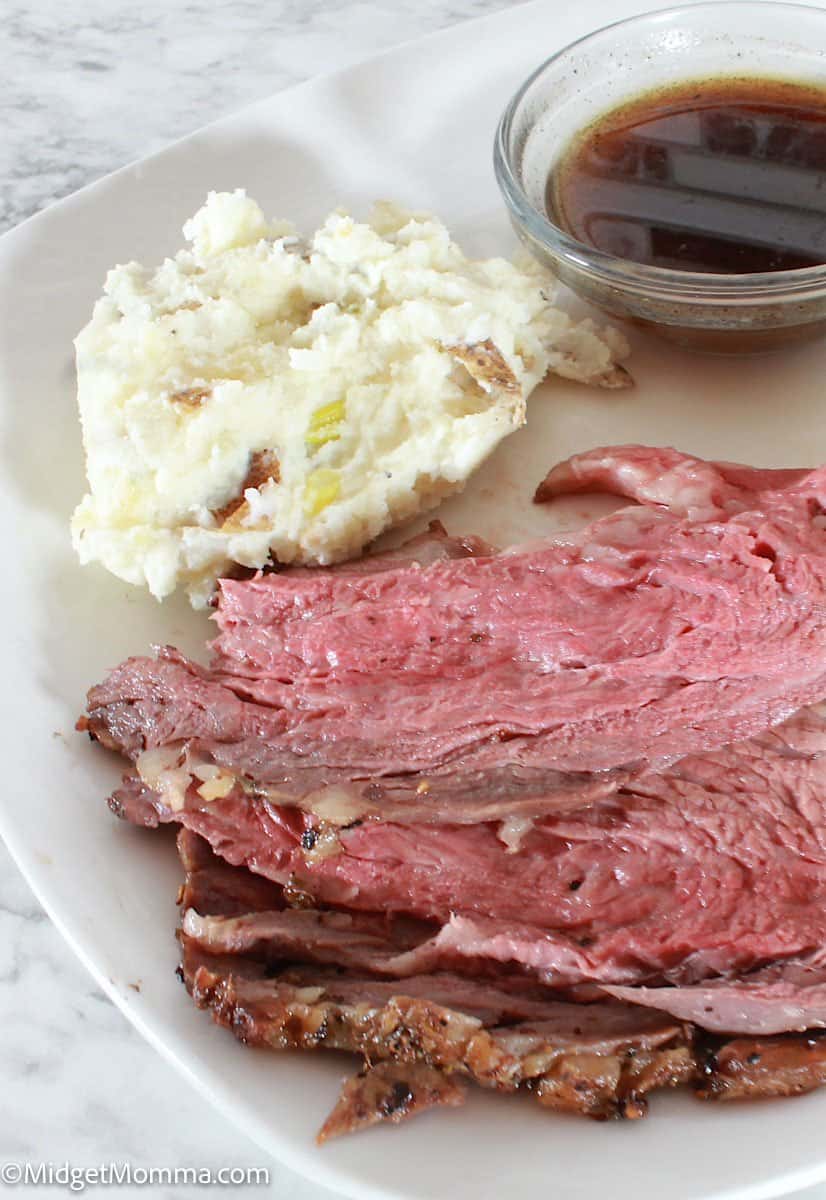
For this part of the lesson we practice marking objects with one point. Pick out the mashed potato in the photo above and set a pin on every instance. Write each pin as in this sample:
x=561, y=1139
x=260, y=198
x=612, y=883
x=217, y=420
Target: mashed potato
x=260, y=397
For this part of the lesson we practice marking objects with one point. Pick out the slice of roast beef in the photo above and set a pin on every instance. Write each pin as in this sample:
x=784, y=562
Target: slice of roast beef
x=714, y=866
x=419, y=1034
x=599, y=1059
x=782, y=997
x=470, y=687
x=159, y=711
x=307, y=1009
x=363, y=941
x=389, y=1091
x=688, y=486
x=385, y=948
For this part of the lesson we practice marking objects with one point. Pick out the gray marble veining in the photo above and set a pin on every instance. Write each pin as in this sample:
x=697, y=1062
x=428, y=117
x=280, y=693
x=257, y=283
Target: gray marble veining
x=92, y=84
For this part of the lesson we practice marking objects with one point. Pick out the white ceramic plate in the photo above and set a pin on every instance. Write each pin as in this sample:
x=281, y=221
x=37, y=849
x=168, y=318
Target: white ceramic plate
x=416, y=125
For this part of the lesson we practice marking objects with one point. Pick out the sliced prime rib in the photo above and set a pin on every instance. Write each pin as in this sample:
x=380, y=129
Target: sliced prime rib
x=551, y=818
x=460, y=689
x=155, y=710
x=419, y=1034
x=600, y=1060
x=689, y=486
x=713, y=866
x=788, y=995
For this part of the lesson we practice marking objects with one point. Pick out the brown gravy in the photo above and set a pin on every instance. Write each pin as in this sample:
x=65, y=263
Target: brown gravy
x=725, y=175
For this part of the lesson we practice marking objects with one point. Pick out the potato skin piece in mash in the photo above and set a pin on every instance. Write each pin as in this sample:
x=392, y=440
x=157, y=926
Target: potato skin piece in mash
x=258, y=397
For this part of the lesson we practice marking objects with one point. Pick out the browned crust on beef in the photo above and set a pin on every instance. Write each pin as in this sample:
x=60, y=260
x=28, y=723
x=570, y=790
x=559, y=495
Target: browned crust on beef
x=616, y=1084
x=744, y=1068
x=405, y=1030
x=389, y=1091
x=416, y=1050
x=293, y=1012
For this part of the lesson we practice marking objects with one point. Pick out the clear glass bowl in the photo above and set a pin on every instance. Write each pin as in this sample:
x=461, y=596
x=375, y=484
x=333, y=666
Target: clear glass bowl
x=721, y=313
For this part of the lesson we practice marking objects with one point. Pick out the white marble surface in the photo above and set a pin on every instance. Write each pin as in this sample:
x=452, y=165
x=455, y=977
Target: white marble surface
x=87, y=86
